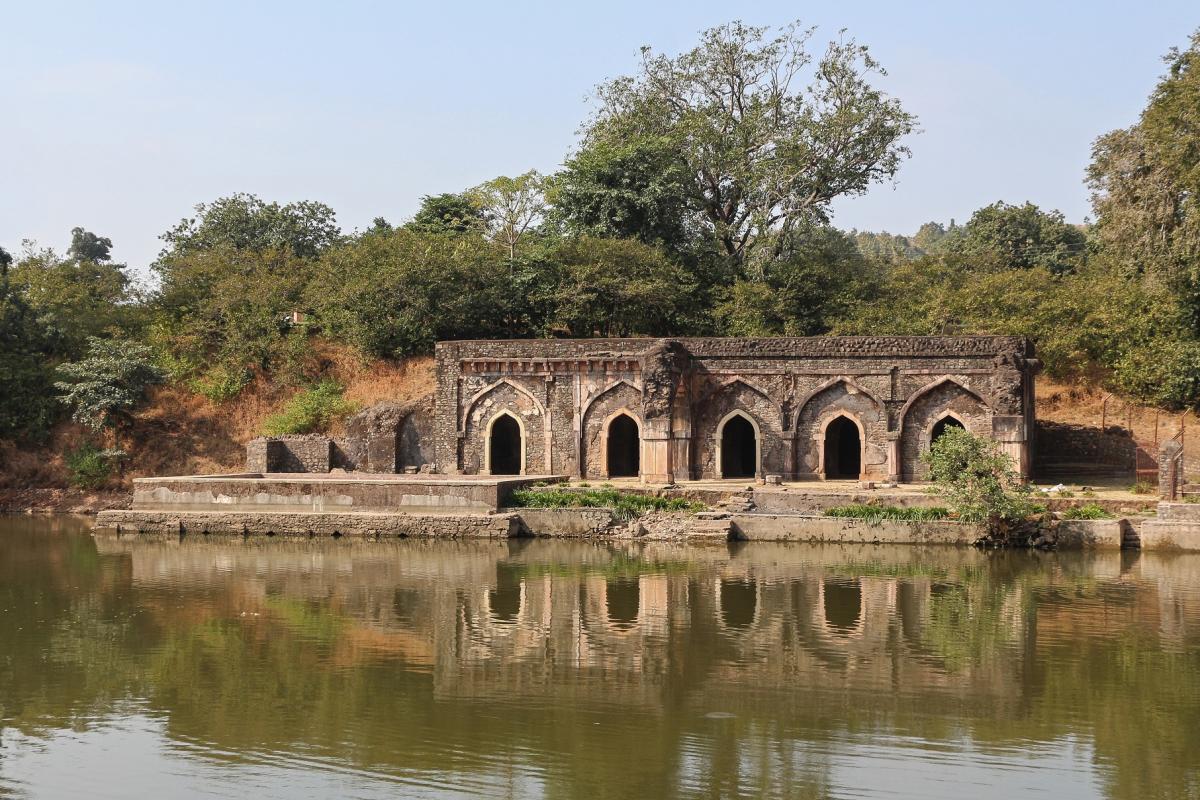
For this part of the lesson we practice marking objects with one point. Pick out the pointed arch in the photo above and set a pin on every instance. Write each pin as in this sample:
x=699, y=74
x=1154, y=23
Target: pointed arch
x=718, y=441
x=929, y=387
x=824, y=422
x=606, y=437
x=730, y=383
x=599, y=393
x=850, y=384
x=487, y=440
x=469, y=406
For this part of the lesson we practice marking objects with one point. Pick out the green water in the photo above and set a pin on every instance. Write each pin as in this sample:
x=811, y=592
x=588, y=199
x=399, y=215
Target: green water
x=165, y=669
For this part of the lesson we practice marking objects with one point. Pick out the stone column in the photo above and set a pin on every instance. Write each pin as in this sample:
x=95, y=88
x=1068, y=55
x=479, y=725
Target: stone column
x=1170, y=469
x=893, y=457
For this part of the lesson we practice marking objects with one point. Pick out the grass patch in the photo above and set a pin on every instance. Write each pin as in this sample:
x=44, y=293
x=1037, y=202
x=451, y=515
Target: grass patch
x=624, y=505
x=887, y=513
x=1143, y=487
x=1089, y=511
x=310, y=411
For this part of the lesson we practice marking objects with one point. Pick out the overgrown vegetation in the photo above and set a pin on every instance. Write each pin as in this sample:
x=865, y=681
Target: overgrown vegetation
x=1088, y=511
x=310, y=410
x=90, y=467
x=979, y=480
x=879, y=513
x=624, y=505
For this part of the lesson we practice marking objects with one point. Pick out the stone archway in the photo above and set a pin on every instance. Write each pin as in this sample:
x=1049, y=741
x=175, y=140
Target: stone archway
x=505, y=446
x=623, y=447
x=739, y=447
x=940, y=427
x=843, y=446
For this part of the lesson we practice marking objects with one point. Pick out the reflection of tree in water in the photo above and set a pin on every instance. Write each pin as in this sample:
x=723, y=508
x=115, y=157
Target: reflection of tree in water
x=362, y=661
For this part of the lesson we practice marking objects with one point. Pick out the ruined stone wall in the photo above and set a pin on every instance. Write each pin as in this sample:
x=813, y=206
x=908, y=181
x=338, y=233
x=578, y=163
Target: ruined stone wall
x=893, y=388
x=309, y=453
x=1066, y=448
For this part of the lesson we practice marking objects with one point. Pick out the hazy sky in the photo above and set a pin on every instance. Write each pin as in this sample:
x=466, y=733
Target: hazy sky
x=121, y=116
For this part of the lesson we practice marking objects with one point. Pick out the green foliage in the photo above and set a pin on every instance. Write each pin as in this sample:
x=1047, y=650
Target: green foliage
x=874, y=513
x=27, y=405
x=89, y=467
x=448, y=213
x=220, y=384
x=624, y=505
x=1088, y=511
x=819, y=279
x=243, y=222
x=616, y=287
x=1003, y=236
x=1143, y=487
x=310, y=410
x=103, y=387
x=978, y=479
x=758, y=152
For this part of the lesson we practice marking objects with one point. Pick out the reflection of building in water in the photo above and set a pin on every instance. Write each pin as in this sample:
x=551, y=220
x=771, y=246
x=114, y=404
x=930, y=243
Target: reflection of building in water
x=613, y=622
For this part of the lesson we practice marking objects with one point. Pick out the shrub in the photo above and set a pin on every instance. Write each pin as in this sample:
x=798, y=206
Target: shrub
x=978, y=479
x=624, y=505
x=1089, y=511
x=220, y=384
x=1143, y=487
x=310, y=411
x=105, y=385
x=89, y=467
x=881, y=513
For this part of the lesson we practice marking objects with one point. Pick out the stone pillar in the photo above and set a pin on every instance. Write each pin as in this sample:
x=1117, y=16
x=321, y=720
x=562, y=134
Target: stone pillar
x=1170, y=469
x=893, y=457
x=656, y=451
x=1010, y=432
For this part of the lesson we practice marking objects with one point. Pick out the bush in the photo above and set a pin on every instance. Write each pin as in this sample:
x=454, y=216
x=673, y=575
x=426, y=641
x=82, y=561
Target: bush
x=880, y=513
x=220, y=384
x=104, y=386
x=310, y=411
x=624, y=505
x=978, y=479
x=1089, y=511
x=89, y=467
x=1143, y=487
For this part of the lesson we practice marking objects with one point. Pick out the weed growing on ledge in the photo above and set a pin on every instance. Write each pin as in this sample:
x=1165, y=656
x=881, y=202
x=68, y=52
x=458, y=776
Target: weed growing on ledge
x=1088, y=511
x=624, y=505
x=873, y=513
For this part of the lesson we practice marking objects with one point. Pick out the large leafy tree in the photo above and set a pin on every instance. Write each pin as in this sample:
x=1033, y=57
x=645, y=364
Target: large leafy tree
x=26, y=406
x=245, y=222
x=616, y=287
x=449, y=213
x=511, y=207
x=1145, y=183
x=761, y=154
x=1004, y=236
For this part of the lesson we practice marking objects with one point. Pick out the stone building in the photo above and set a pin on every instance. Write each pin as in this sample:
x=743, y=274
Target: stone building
x=700, y=408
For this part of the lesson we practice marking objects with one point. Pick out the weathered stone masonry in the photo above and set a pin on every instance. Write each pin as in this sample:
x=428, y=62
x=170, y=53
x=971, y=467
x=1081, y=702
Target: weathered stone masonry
x=854, y=407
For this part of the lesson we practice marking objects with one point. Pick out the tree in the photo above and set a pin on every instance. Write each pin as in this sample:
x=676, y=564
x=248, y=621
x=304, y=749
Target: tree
x=1145, y=183
x=627, y=190
x=449, y=213
x=818, y=279
x=760, y=154
x=244, y=222
x=26, y=404
x=1003, y=236
x=978, y=479
x=511, y=207
x=87, y=246
x=617, y=287
x=103, y=387
x=74, y=298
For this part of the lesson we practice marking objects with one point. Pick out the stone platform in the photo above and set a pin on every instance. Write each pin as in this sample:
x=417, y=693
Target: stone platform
x=252, y=492
x=1176, y=527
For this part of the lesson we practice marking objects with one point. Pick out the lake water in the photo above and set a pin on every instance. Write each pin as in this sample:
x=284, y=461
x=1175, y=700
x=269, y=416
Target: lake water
x=267, y=668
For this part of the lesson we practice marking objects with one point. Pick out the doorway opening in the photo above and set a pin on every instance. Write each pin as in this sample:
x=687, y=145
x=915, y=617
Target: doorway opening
x=504, y=446
x=739, y=449
x=942, y=425
x=843, y=449
x=624, y=447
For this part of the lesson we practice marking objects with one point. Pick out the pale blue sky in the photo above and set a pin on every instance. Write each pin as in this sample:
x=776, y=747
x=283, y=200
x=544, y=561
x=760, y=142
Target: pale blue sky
x=121, y=116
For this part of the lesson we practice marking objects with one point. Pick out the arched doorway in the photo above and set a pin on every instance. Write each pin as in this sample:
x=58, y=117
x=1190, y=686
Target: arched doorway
x=624, y=447
x=942, y=425
x=504, y=446
x=843, y=449
x=739, y=448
